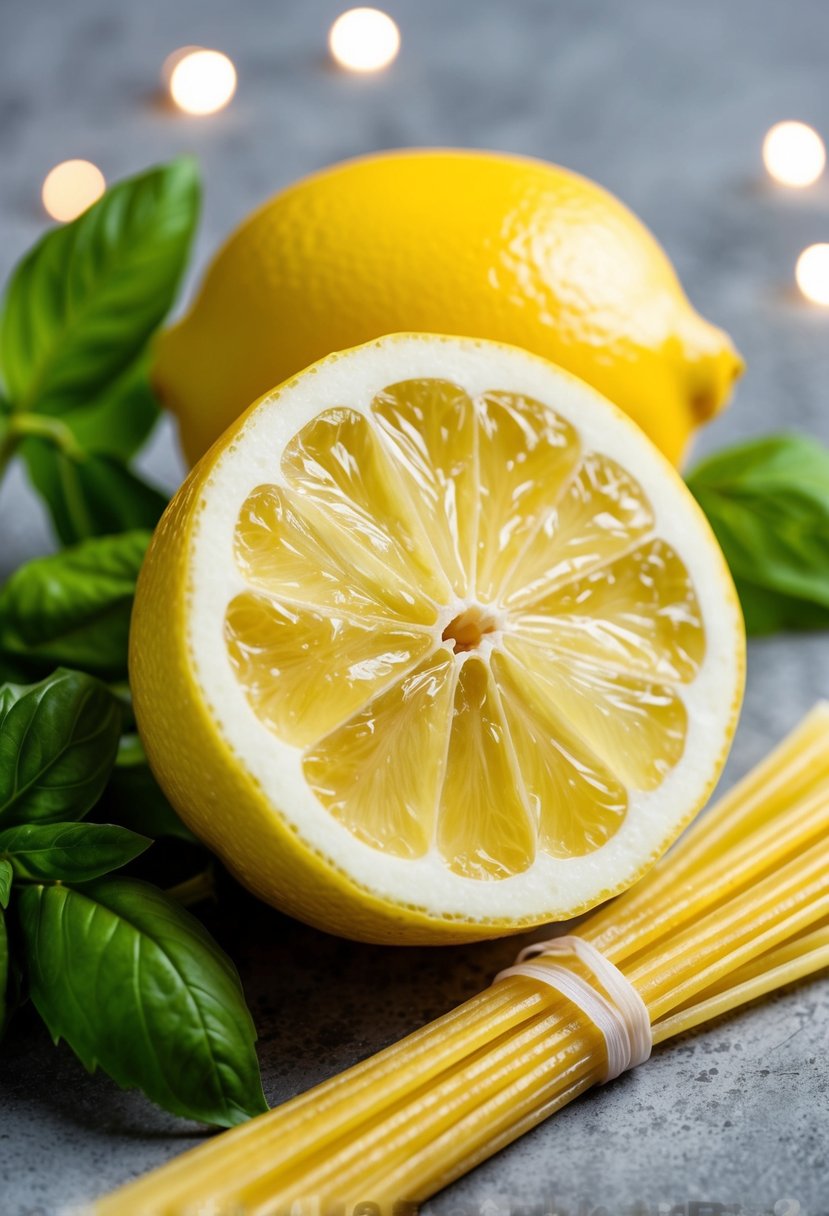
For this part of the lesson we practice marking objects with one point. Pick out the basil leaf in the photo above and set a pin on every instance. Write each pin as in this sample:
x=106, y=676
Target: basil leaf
x=9, y=693
x=69, y=852
x=95, y=496
x=768, y=504
x=82, y=304
x=6, y=876
x=135, y=984
x=120, y=418
x=767, y=612
x=58, y=741
x=73, y=608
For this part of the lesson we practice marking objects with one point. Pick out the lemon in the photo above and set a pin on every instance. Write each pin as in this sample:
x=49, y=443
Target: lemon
x=466, y=243
x=434, y=645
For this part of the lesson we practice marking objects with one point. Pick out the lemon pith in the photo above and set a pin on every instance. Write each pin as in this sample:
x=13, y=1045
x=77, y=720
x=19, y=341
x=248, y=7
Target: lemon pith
x=452, y=651
x=468, y=243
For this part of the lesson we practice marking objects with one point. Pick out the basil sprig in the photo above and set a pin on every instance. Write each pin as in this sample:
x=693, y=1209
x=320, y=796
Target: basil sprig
x=113, y=965
x=83, y=302
x=137, y=986
x=78, y=314
x=768, y=503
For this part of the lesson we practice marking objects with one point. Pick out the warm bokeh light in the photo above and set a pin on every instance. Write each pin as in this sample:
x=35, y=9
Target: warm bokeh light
x=812, y=274
x=70, y=188
x=173, y=60
x=793, y=154
x=364, y=40
x=200, y=81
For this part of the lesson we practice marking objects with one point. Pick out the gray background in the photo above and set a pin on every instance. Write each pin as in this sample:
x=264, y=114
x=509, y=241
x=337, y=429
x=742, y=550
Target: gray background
x=666, y=104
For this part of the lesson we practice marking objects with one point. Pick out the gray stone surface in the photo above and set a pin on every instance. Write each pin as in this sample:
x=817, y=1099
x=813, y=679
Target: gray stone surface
x=665, y=103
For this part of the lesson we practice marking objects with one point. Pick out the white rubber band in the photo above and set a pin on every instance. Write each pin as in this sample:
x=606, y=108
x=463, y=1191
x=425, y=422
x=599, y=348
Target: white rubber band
x=622, y=1019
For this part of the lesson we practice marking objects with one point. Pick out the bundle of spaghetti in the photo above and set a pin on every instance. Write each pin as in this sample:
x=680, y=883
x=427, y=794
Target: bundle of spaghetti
x=739, y=907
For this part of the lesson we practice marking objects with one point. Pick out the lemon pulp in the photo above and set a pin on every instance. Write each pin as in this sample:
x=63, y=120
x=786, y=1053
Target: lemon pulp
x=466, y=621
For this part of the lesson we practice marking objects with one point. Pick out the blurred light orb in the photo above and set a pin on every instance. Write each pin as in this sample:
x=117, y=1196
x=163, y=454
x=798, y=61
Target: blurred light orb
x=200, y=81
x=364, y=40
x=794, y=154
x=70, y=188
x=812, y=274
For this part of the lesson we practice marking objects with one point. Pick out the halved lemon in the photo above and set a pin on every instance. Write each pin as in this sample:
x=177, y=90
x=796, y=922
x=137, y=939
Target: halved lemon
x=434, y=645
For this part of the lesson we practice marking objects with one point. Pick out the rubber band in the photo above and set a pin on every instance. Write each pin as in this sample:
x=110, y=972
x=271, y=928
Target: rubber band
x=621, y=1015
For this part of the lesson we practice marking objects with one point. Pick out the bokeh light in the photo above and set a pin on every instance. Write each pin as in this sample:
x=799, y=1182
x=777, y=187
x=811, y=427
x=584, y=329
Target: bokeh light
x=793, y=154
x=70, y=188
x=200, y=81
x=364, y=40
x=812, y=274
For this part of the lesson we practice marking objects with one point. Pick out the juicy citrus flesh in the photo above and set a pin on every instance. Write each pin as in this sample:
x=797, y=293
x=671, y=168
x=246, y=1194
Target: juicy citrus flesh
x=455, y=242
x=434, y=645
x=467, y=623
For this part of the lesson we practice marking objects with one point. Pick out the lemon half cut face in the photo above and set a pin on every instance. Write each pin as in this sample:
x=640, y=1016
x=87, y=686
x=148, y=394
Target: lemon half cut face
x=452, y=652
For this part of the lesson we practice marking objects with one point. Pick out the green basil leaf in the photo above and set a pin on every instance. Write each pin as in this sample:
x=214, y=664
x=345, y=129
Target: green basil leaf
x=6, y=876
x=73, y=608
x=82, y=304
x=120, y=418
x=767, y=612
x=768, y=504
x=69, y=852
x=95, y=496
x=134, y=799
x=137, y=986
x=756, y=465
x=58, y=741
x=9, y=693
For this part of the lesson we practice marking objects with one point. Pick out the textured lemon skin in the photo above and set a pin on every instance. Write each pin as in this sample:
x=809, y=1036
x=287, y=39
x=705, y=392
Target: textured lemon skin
x=464, y=243
x=228, y=810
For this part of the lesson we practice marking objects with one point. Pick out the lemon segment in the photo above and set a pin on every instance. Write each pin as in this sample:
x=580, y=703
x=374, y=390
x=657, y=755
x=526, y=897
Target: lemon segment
x=601, y=513
x=304, y=672
x=461, y=644
x=381, y=773
x=484, y=825
x=348, y=486
x=639, y=613
x=280, y=550
x=526, y=455
x=575, y=800
x=431, y=429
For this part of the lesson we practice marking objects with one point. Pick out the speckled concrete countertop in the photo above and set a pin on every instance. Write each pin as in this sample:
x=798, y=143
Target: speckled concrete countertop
x=665, y=103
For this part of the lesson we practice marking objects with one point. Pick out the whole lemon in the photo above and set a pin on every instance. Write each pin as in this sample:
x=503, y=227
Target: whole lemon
x=455, y=242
